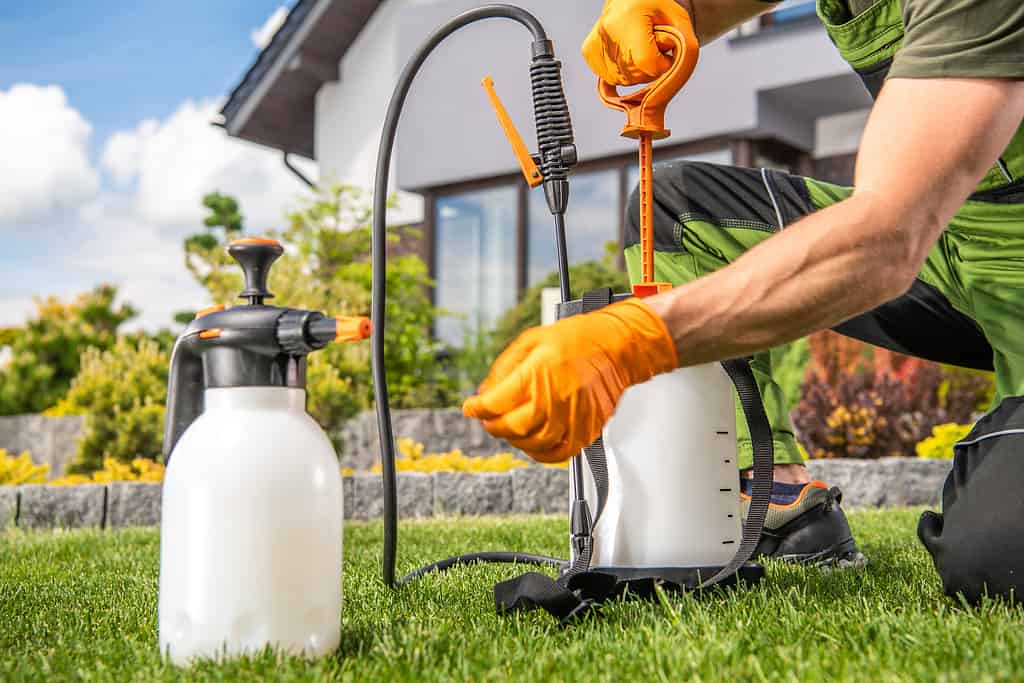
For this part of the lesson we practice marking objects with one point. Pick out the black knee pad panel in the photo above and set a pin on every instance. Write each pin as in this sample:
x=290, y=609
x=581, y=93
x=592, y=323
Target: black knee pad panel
x=977, y=542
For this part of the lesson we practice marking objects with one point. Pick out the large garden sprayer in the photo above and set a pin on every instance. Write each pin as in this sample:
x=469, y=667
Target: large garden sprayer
x=654, y=500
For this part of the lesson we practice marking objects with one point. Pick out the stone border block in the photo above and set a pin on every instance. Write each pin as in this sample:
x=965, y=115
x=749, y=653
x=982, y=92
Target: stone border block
x=540, y=489
x=470, y=493
x=348, y=492
x=884, y=482
x=415, y=496
x=8, y=506
x=70, y=507
x=132, y=503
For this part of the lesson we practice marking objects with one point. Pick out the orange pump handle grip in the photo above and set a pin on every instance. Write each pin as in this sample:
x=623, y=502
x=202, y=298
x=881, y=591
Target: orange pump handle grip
x=352, y=328
x=645, y=108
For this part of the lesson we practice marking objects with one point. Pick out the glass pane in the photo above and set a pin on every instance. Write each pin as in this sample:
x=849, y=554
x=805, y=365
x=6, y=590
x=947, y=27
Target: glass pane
x=793, y=10
x=591, y=222
x=475, y=235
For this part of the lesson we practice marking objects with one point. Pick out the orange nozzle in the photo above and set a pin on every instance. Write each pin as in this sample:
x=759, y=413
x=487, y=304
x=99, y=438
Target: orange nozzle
x=216, y=308
x=256, y=240
x=526, y=164
x=645, y=108
x=352, y=328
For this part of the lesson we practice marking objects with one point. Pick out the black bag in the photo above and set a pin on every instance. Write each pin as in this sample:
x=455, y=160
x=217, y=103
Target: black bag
x=977, y=542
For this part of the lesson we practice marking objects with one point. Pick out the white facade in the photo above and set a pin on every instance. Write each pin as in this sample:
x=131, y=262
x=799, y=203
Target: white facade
x=788, y=84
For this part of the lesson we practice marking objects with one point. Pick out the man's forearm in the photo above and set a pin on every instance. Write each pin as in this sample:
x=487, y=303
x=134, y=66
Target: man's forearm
x=926, y=146
x=827, y=268
x=712, y=18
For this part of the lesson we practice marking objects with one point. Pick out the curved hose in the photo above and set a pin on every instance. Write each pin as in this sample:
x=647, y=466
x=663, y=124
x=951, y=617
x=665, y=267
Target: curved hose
x=378, y=308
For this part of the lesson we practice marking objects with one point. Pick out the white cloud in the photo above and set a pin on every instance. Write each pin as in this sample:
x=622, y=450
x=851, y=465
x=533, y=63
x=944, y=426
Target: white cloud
x=45, y=165
x=174, y=162
x=261, y=37
x=130, y=231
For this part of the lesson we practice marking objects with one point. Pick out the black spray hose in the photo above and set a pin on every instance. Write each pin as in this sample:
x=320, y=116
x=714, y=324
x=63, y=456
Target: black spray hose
x=554, y=135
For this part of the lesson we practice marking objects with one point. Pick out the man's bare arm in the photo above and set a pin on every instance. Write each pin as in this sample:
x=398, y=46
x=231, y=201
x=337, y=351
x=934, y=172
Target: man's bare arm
x=712, y=18
x=927, y=144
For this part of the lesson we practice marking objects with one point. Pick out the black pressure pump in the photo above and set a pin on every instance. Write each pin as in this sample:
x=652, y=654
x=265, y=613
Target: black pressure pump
x=252, y=345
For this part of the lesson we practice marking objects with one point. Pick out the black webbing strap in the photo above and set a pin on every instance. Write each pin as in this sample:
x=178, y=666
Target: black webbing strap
x=593, y=300
x=579, y=591
x=743, y=379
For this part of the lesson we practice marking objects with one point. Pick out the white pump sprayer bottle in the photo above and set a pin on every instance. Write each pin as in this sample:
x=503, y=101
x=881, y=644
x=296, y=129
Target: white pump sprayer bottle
x=251, y=531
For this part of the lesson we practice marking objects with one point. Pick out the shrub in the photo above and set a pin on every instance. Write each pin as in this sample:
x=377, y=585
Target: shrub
x=327, y=268
x=121, y=393
x=140, y=469
x=19, y=469
x=940, y=443
x=582, y=276
x=45, y=354
x=863, y=403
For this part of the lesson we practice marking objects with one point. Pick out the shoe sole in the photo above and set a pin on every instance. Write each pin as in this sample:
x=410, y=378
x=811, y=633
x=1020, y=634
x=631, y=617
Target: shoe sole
x=843, y=555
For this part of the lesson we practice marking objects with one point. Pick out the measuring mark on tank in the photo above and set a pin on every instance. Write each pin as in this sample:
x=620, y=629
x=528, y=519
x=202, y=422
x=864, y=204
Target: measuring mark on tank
x=727, y=460
x=723, y=433
x=730, y=516
x=725, y=490
x=728, y=542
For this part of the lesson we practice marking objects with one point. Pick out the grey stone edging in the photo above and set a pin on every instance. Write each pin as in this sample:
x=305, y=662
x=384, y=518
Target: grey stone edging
x=47, y=507
x=865, y=483
x=886, y=481
x=8, y=506
x=133, y=503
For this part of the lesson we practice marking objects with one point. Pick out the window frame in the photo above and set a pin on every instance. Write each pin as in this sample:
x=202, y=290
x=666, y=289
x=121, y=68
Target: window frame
x=744, y=151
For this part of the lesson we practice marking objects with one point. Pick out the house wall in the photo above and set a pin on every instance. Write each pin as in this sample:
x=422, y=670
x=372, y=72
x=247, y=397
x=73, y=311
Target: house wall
x=773, y=84
x=349, y=112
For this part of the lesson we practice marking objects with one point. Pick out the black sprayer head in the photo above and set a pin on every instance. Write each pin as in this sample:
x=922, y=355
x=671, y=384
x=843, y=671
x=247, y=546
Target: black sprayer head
x=247, y=346
x=256, y=255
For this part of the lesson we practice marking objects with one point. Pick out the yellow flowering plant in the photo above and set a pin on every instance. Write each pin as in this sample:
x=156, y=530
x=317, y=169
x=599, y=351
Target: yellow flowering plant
x=140, y=469
x=19, y=469
x=413, y=458
x=940, y=443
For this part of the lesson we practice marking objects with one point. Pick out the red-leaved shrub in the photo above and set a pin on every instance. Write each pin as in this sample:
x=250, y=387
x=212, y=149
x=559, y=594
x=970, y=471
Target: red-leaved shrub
x=860, y=402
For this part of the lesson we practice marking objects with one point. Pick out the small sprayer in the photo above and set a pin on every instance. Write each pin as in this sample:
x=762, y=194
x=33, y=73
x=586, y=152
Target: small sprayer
x=250, y=539
x=655, y=500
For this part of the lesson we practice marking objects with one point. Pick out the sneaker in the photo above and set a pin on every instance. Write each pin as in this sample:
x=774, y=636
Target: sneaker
x=805, y=524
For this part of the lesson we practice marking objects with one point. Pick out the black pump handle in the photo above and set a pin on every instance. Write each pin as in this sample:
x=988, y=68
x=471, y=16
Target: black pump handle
x=184, y=392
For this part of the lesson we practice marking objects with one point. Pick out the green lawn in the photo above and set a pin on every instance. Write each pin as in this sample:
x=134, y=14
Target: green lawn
x=82, y=605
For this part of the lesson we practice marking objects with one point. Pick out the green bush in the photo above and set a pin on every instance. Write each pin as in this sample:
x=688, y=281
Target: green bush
x=121, y=393
x=582, y=277
x=45, y=353
x=326, y=267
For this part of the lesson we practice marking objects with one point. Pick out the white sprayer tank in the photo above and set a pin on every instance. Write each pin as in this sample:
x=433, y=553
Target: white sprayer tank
x=250, y=545
x=673, y=498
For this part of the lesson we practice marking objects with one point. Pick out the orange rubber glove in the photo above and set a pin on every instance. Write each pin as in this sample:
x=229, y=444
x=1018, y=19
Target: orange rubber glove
x=552, y=390
x=622, y=48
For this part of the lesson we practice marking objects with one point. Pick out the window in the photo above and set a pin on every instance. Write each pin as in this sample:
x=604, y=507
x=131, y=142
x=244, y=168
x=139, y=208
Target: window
x=592, y=221
x=791, y=11
x=490, y=243
x=787, y=13
x=475, y=252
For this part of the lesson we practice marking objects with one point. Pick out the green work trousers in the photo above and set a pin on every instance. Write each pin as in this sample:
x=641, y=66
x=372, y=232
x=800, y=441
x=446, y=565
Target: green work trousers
x=965, y=308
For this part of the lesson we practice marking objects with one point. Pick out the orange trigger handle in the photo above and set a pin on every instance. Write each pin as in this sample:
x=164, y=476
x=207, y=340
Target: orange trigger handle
x=526, y=163
x=645, y=108
x=645, y=122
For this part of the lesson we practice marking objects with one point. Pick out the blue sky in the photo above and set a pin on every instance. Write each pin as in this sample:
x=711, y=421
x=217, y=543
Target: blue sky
x=104, y=110
x=120, y=62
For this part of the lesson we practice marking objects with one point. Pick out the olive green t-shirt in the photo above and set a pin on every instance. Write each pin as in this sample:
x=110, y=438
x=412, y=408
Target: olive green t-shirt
x=958, y=38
